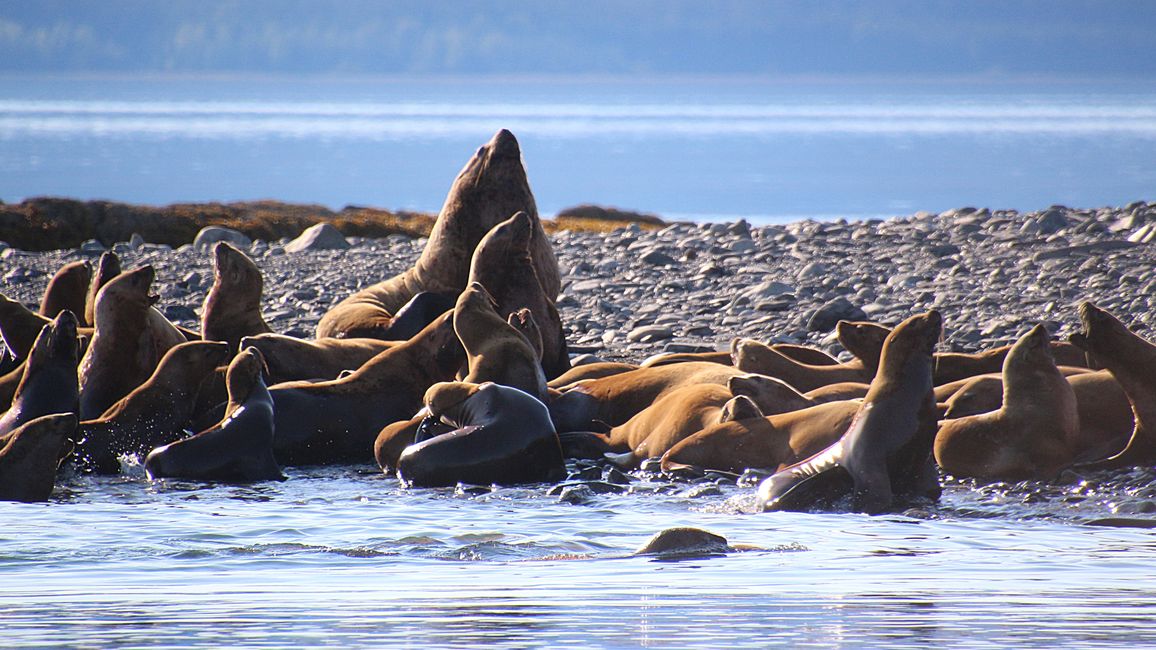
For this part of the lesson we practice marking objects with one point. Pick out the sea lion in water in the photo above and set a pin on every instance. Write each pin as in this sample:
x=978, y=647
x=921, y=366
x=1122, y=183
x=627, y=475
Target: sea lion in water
x=289, y=358
x=490, y=188
x=495, y=350
x=885, y=454
x=67, y=290
x=232, y=308
x=502, y=263
x=106, y=269
x=129, y=340
x=338, y=421
x=30, y=456
x=501, y=435
x=1132, y=361
x=153, y=413
x=48, y=384
x=239, y=448
x=1031, y=436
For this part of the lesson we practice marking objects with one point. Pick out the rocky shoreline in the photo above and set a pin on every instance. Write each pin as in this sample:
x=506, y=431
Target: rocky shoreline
x=633, y=292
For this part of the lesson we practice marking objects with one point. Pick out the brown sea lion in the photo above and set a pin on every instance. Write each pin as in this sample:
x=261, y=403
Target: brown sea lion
x=885, y=454
x=523, y=321
x=801, y=353
x=495, y=350
x=232, y=308
x=590, y=371
x=48, y=384
x=290, y=358
x=9, y=382
x=338, y=421
x=753, y=356
x=1031, y=436
x=129, y=340
x=1132, y=361
x=67, y=290
x=772, y=442
x=502, y=263
x=19, y=326
x=838, y=392
x=239, y=448
x=153, y=413
x=106, y=269
x=501, y=435
x=490, y=189
x=30, y=455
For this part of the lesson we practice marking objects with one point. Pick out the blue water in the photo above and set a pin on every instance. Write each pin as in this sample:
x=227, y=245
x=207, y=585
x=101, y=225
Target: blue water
x=696, y=149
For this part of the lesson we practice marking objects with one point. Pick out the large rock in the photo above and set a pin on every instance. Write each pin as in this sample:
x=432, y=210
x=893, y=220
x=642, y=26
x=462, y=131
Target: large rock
x=827, y=316
x=210, y=235
x=318, y=237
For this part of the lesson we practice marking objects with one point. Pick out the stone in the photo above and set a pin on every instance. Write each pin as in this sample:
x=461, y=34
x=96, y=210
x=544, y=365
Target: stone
x=827, y=316
x=320, y=236
x=210, y=235
x=649, y=333
x=658, y=258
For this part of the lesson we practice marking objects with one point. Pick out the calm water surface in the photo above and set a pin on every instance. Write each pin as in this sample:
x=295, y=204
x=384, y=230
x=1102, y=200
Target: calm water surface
x=347, y=556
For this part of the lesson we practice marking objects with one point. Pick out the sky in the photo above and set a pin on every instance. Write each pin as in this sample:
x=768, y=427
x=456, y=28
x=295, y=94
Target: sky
x=1053, y=39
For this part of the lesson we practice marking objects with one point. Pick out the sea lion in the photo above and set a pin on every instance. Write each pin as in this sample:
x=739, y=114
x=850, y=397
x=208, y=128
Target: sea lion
x=771, y=442
x=885, y=454
x=396, y=436
x=502, y=436
x=49, y=383
x=289, y=358
x=106, y=269
x=232, y=308
x=523, y=321
x=801, y=353
x=338, y=421
x=685, y=542
x=239, y=448
x=495, y=350
x=67, y=290
x=153, y=413
x=421, y=310
x=1132, y=361
x=490, y=188
x=30, y=456
x=752, y=356
x=19, y=326
x=1031, y=436
x=502, y=263
x=839, y=391
x=129, y=340
x=590, y=371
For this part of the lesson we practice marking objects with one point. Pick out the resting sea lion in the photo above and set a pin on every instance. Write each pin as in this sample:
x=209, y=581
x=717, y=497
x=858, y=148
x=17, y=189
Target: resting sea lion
x=48, y=384
x=753, y=356
x=490, y=188
x=30, y=455
x=837, y=392
x=232, y=308
x=495, y=350
x=1132, y=361
x=239, y=448
x=885, y=454
x=289, y=358
x=1032, y=436
x=106, y=269
x=67, y=290
x=153, y=413
x=501, y=435
x=129, y=340
x=801, y=353
x=590, y=371
x=337, y=421
x=503, y=265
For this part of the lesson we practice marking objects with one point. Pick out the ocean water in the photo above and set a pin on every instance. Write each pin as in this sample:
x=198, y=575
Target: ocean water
x=689, y=149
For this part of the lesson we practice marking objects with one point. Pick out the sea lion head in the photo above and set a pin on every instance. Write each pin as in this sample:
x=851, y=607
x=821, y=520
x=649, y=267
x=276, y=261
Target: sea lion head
x=523, y=321
x=128, y=291
x=1103, y=333
x=444, y=396
x=863, y=339
x=1032, y=351
x=246, y=371
x=57, y=340
x=233, y=267
x=918, y=335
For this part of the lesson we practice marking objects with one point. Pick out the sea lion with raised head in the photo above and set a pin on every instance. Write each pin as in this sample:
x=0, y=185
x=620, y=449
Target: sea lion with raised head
x=495, y=350
x=48, y=384
x=491, y=188
x=232, y=308
x=19, y=326
x=239, y=448
x=501, y=435
x=885, y=454
x=154, y=413
x=30, y=456
x=1031, y=436
x=338, y=421
x=67, y=290
x=106, y=269
x=130, y=338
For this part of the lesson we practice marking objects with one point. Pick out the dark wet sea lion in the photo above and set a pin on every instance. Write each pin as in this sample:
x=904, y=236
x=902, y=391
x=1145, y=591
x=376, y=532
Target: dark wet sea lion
x=154, y=413
x=106, y=269
x=1132, y=361
x=885, y=455
x=232, y=308
x=502, y=263
x=685, y=542
x=129, y=340
x=67, y=290
x=239, y=448
x=338, y=421
x=30, y=455
x=290, y=358
x=495, y=350
x=502, y=435
x=48, y=384
x=421, y=310
x=490, y=189
x=1032, y=435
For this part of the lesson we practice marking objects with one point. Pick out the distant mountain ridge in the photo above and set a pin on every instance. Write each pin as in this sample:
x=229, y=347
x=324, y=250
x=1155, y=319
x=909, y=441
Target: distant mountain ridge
x=641, y=37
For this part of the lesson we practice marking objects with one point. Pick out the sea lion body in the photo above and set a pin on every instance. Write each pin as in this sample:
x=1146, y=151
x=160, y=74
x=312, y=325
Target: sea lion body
x=503, y=435
x=291, y=359
x=19, y=326
x=232, y=308
x=49, y=382
x=30, y=456
x=594, y=370
x=753, y=356
x=495, y=350
x=67, y=290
